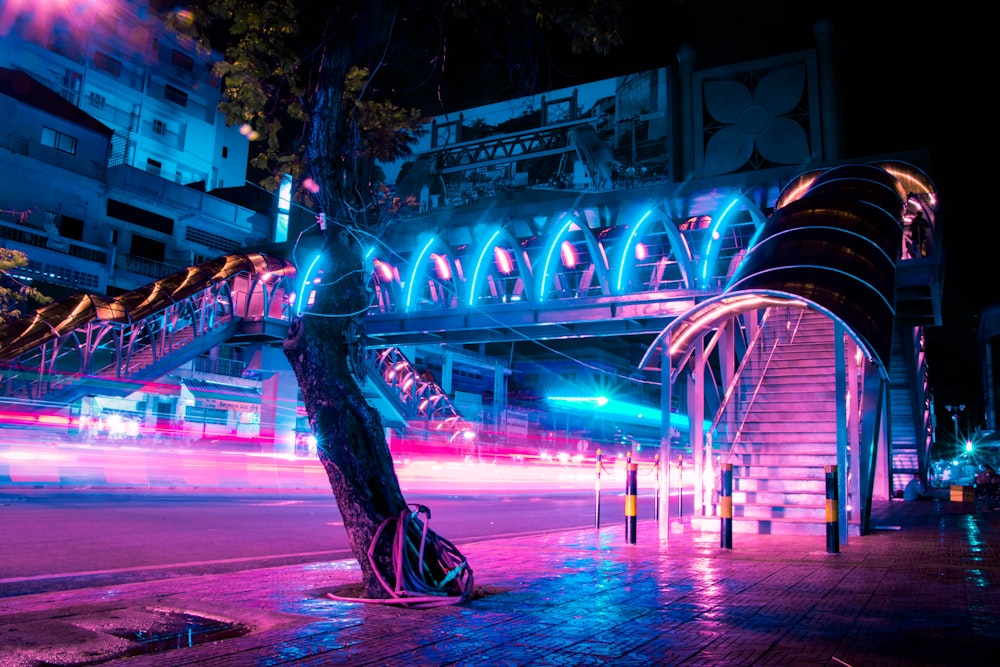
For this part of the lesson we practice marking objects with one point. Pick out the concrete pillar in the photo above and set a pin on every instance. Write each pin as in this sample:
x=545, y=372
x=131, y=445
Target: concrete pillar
x=828, y=92
x=447, y=370
x=840, y=394
x=685, y=62
x=666, y=434
x=278, y=400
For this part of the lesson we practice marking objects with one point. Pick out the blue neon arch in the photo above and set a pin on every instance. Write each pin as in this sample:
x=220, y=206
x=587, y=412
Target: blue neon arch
x=483, y=265
x=422, y=264
x=712, y=245
x=626, y=259
x=550, y=251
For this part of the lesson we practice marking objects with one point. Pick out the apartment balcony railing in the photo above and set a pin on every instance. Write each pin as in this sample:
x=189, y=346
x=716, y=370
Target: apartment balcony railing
x=146, y=267
x=76, y=164
x=163, y=134
x=16, y=232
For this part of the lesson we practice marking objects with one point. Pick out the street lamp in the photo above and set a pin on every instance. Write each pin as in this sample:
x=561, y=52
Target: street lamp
x=954, y=411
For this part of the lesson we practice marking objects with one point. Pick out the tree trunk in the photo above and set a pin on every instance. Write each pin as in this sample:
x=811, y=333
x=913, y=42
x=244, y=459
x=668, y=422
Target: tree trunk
x=350, y=438
x=325, y=345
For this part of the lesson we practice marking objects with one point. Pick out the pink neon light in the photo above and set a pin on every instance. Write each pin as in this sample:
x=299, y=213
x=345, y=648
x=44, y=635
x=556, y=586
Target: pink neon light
x=641, y=251
x=442, y=266
x=568, y=254
x=504, y=261
x=383, y=269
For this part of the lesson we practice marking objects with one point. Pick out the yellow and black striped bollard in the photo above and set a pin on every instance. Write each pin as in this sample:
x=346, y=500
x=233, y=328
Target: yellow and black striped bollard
x=726, y=506
x=832, y=512
x=631, y=501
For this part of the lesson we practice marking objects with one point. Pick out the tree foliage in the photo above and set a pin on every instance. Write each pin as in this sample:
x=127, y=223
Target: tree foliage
x=16, y=296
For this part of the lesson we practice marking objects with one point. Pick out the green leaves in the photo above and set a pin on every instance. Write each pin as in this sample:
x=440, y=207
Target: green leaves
x=16, y=296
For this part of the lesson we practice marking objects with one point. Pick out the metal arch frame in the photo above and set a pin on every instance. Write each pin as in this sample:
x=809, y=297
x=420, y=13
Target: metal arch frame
x=720, y=224
x=482, y=270
x=393, y=289
x=550, y=248
x=692, y=341
x=679, y=249
x=421, y=268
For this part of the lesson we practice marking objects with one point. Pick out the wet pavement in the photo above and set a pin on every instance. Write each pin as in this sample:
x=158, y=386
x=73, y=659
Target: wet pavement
x=920, y=589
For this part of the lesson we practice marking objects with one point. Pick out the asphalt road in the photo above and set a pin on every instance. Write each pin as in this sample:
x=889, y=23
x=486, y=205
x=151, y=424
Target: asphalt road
x=58, y=539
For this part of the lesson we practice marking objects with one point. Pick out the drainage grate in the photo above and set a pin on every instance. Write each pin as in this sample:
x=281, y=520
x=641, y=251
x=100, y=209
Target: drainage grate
x=179, y=630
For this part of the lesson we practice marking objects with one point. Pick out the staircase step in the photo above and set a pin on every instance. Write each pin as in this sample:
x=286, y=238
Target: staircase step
x=770, y=484
x=800, y=511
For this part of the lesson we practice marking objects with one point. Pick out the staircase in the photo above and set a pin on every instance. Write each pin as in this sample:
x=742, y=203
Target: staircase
x=788, y=408
x=906, y=428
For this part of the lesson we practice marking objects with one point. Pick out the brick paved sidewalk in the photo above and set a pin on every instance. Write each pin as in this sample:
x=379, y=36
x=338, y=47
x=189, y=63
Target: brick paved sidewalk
x=922, y=589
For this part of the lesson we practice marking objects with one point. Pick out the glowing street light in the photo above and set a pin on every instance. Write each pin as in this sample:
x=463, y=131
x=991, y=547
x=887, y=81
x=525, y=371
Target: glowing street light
x=954, y=411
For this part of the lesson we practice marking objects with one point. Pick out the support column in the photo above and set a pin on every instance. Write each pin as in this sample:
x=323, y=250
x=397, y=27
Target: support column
x=840, y=395
x=829, y=105
x=685, y=67
x=278, y=400
x=447, y=370
x=666, y=434
x=696, y=421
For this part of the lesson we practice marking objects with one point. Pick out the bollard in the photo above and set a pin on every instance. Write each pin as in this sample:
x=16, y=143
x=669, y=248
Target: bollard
x=597, y=493
x=656, y=488
x=832, y=512
x=726, y=506
x=631, y=489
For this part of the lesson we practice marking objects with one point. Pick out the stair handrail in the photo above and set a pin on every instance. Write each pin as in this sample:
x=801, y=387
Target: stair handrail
x=737, y=376
x=731, y=388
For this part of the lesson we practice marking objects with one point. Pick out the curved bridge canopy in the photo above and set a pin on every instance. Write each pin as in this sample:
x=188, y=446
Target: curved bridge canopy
x=832, y=243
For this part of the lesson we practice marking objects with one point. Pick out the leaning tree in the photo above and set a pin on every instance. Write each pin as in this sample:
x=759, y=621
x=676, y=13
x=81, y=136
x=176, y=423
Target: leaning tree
x=313, y=84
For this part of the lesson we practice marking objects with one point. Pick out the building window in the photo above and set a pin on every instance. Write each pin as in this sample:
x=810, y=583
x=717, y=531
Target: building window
x=140, y=216
x=175, y=95
x=159, y=127
x=97, y=100
x=72, y=228
x=148, y=248
x=225, y=152
x=19, y=145
x=107, y=64
x=182, y=60
x=153, y=166
x=58, y=140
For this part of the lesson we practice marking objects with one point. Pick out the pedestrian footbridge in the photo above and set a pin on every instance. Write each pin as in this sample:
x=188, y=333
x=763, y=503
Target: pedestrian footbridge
x=757, y=323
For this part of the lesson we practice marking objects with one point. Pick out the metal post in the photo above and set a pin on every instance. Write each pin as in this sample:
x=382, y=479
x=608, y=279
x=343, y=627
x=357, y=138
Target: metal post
x=726, y=506
x=832, y=512
x=597, y=493
x=656, y=487
x=680, y=486
x=631, y=487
